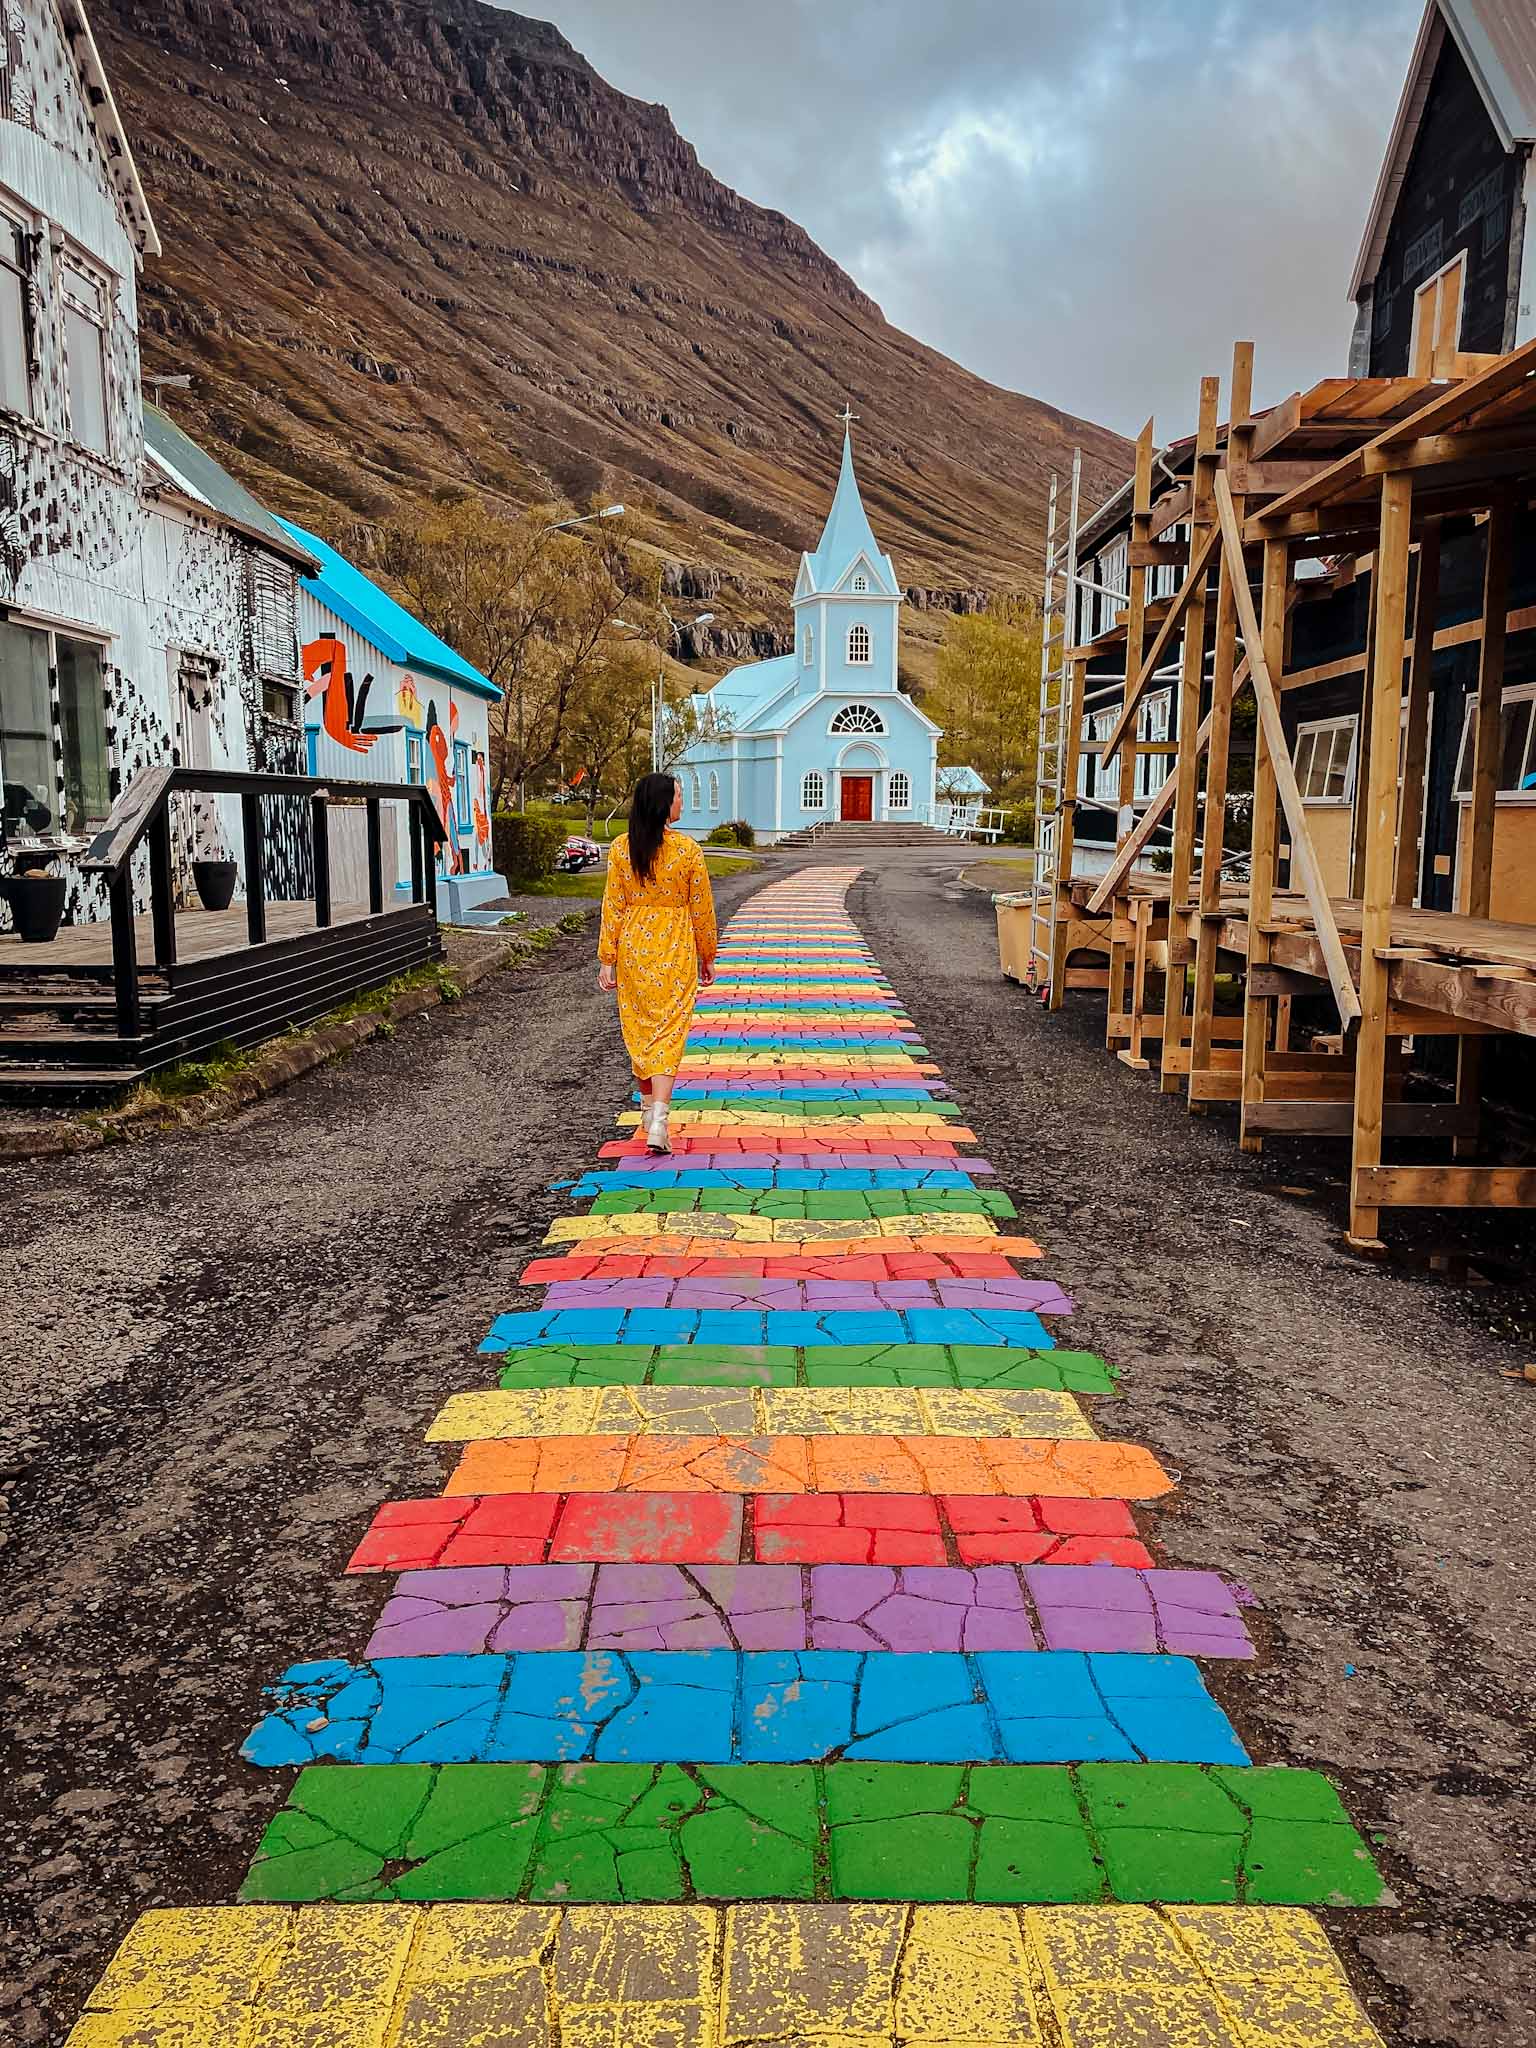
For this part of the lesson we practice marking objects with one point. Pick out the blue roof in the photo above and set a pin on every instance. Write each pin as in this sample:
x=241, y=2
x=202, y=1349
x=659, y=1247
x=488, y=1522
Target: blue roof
x=392, y=629
x=744, y=693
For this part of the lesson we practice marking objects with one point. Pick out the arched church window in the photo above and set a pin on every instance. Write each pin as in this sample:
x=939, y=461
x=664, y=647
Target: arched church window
x=900, y=794
x=860, y=585
x=693, y=793
x=808, y=646
x=858, y=718
x=858, y=646
x=714, y=790
x=813, y=791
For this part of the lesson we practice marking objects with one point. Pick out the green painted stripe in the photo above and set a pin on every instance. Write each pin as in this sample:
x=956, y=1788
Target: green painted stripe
x=635, y=1833
x=831, y=1365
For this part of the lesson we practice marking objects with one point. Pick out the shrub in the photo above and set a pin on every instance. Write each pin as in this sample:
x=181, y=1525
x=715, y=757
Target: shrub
x=524, y=845
x=723, y=835
x=742, y=832
x=1019, y=826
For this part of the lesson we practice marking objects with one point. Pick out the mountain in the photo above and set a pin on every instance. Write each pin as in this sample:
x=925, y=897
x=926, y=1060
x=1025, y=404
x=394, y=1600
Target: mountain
x=413, y=245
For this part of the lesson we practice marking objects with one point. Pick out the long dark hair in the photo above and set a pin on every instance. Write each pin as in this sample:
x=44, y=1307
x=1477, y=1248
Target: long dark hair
x=649, y=809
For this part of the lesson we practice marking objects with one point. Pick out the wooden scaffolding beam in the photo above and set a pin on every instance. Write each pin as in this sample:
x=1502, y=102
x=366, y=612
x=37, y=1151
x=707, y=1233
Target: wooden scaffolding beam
x=1135, y=639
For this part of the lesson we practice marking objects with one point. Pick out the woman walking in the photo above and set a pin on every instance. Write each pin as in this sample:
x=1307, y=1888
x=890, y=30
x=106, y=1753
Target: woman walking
x=657, y=943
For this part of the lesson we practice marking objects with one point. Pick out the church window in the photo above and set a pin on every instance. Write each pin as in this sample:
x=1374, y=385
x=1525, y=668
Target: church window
x=808, y=646
x=714, y=790
x=900, y=790
x=860, y=585
x=858, y=718
x=813, y=791
x=695, y=798
x=858, y=646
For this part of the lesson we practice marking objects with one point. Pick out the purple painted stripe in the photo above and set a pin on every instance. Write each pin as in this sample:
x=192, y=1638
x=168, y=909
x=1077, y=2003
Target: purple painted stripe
x=910, y=1609
x=814, y=1296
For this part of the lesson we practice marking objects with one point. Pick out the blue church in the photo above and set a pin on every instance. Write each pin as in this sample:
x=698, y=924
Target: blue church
x=822, y=733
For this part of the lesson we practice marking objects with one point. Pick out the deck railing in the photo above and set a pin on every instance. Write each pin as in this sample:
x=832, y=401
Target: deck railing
x=142, y=814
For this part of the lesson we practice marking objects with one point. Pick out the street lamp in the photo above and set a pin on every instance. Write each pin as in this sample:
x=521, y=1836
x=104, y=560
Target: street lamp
x=658, y=688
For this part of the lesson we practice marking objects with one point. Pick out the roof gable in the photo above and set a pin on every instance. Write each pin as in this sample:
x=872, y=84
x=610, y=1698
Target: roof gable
x=396, y=633
x=96, y=92
x=1495, y=40
x=192, y=473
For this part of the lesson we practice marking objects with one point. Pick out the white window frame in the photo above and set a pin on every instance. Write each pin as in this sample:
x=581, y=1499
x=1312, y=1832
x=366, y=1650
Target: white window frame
x=1311, y=729
x=813, y=790
x=714, y=789
x=13, y=223
x=898, y=796
x=1154, y=722
x=58, y=788
x=1517, y=693
x=859, y=633
x=860, y=586
x=836, y=729
x=695, y=791
x=99, y=318
x=808, y=647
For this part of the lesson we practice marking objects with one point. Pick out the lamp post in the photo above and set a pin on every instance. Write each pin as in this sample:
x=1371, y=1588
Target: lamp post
x=658, y=690
x=554, y=526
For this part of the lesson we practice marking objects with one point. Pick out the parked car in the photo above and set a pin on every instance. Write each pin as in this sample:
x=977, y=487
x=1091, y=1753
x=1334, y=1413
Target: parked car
x=578, y=853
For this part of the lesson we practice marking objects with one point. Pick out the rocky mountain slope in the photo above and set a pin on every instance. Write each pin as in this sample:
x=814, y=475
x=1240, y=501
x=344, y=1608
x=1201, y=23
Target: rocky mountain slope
x=416, y=244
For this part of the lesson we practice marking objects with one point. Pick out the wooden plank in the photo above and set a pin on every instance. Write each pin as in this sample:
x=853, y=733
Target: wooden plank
x=1476, y=884
x=1432, y=450
x=1191, y=681
x=1268, y=479
x=1447, y=1187
x=1456, y=992
x=1215, y=1084
x=1378, y=792
x=1303, y=854
x=1275, y=426
x=1336, y=1119
x=1172, y=509
x=1157, y=554
x=1192, y=586
x=1324, y=672
x=1457, y=403
x=1416, y=732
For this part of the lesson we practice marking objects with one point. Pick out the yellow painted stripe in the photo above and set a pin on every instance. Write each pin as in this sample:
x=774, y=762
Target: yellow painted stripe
x=749, y=1229
x=759, y=1411
x=688, y=1976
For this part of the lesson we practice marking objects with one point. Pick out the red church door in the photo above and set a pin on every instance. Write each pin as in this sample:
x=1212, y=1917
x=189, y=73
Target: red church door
x=858, y=799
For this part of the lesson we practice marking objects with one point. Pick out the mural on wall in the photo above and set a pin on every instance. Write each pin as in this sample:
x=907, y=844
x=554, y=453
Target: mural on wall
x=408, y=702
x=440, y=746
x=482, y=807
x=343, y=701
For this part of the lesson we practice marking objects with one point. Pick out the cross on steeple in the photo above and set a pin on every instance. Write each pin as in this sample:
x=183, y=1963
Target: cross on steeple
x=847, y=415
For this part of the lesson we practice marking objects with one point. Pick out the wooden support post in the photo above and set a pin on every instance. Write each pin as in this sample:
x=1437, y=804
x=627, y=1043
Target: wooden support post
x=1071, y=754
x=375, y=855
x=1378, y=791
x=1141, y=917
x=1191, y=682
x=255, y=869
x=1224, y=660
x=1410, y=809
x=1476, y=886
x=1362, y=755
x=162, y=887
x=320, y=835
x=413, y=821
x=1135, y=646
x=1261, y=880
x=125, y=965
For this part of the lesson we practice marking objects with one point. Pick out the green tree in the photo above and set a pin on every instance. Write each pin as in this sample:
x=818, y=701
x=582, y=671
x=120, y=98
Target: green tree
x=987, y=696
x=533, y=609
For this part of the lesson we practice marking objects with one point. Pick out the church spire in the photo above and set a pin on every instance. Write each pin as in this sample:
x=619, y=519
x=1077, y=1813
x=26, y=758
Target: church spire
x=847, y=534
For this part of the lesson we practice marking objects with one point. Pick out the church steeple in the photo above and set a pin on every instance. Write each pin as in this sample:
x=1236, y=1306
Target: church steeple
x=847, y=538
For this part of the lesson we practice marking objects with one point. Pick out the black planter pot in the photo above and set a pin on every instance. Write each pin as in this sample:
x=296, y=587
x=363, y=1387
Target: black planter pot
x=37, y=906
x=215, y=881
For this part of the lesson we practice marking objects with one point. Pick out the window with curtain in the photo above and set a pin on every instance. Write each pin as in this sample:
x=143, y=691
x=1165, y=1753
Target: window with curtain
x=859, y=646
x=858, y=718
x=83, y=724
x=813, y=791
x=26, y=732
x=900, y=793
x=86, y=304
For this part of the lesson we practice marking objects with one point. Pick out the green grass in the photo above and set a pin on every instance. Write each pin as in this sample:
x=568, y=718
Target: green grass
x=590, y=885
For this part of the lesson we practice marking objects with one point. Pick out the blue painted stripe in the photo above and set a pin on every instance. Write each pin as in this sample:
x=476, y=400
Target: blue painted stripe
x=725, y=1706
x=1014, y=1329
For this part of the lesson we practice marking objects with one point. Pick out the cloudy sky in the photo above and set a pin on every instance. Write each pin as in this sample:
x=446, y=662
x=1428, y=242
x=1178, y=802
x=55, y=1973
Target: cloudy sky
x=1087, y=200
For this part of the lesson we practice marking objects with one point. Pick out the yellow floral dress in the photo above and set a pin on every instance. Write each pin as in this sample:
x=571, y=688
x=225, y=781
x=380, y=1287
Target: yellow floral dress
x=654, y=934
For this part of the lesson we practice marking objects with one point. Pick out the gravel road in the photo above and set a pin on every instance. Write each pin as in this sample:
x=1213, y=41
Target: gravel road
x=224, y=1344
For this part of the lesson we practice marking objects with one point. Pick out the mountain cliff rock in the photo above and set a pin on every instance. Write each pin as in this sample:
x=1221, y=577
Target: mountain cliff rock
x=418, y=245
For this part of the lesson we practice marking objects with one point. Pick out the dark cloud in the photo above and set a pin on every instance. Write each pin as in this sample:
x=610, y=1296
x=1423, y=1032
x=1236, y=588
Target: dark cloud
x=1086, y=200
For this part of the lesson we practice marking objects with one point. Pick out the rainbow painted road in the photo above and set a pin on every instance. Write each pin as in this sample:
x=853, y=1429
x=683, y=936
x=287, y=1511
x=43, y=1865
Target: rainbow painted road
x=782, y=1661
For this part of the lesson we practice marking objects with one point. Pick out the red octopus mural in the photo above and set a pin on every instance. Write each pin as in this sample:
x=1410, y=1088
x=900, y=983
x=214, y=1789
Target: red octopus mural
x=343, y=702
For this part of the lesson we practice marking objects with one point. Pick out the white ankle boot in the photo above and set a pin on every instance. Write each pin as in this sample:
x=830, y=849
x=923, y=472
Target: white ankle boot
x=656, y=1128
